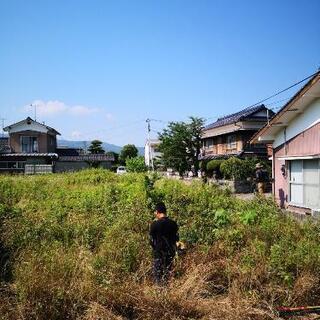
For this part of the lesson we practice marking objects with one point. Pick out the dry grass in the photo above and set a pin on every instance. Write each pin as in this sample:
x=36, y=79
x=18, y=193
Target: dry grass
x=189, y=296
x=79, y=251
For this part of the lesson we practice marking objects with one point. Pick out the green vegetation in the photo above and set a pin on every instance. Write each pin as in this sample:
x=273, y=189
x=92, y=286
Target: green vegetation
x=234, y=168
x=96, y=147
x=213, y=166
x=181, y=144
x=136, y=164
x=75, y=246
x=127, y=152
x=237, y=169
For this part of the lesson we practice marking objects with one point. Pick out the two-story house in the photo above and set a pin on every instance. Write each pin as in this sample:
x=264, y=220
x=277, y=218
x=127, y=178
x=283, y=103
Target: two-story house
x=29, y=142
x=31, y=147
x=230, y=135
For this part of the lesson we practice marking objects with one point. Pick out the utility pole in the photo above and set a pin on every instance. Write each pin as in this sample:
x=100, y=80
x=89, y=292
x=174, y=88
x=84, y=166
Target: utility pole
x=2, y=125
x=150, y=162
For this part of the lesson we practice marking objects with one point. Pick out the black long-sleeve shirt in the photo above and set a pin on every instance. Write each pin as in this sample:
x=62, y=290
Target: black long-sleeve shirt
x=164, y=235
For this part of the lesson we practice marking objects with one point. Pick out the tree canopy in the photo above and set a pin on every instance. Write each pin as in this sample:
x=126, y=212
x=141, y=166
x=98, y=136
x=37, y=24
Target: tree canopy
x=128, y=151
x=180, y=144
x=96, y=147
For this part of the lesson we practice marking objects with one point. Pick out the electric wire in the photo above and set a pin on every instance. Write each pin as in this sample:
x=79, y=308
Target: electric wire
x=284, y=90
x=276, y=94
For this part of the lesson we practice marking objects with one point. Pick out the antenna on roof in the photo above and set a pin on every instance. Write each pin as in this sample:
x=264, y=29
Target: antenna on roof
x=35, y=110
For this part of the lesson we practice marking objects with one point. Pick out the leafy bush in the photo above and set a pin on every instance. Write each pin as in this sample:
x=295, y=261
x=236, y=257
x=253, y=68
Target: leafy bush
x=237, y=169
x=213, y=166
x=136, y=164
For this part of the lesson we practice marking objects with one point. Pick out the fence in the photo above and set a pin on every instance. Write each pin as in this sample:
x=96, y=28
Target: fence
x=38, y=168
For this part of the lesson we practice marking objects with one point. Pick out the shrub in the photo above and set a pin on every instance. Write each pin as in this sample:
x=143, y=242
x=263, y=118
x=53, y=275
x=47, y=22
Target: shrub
x=213, y=166
x=237, y=169
x=136, y=164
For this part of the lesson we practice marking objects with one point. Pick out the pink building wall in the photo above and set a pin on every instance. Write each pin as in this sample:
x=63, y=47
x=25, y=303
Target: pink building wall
x=307, y=143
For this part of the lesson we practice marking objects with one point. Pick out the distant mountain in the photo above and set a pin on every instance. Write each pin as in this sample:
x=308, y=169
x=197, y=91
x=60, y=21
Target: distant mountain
x=85, y=144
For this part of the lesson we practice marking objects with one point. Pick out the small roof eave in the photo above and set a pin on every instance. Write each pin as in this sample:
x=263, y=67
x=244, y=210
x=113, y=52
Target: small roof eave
x=299, y=157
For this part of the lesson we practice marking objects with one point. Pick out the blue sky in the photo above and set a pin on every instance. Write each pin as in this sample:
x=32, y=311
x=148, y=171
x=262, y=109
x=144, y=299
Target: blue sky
x=98, y=69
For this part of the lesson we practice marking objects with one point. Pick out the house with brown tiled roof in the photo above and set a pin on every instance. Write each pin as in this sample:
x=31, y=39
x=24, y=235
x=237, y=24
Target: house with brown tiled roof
x=230, y=135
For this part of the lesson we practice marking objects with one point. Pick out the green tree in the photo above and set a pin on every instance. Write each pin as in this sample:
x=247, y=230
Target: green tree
x=128, y=151
x=136, y=164
x=195, y=128
x=96, y=147
x=181, y=143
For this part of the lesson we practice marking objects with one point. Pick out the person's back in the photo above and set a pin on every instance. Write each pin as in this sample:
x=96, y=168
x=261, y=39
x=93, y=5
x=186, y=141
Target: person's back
x=163, y=238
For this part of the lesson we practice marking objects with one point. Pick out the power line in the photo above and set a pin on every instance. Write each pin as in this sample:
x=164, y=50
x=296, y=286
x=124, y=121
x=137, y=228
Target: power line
x=284, y=90
x=274, y=95
x=276, y=102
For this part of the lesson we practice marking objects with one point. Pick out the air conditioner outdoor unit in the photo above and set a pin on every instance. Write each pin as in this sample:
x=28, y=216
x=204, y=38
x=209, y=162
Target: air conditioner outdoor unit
x=315, y=213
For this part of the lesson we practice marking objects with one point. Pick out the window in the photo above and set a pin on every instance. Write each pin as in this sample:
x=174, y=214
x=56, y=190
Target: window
x=208, y=143
x=231, y=142
x=29, y=144
x=305, y=183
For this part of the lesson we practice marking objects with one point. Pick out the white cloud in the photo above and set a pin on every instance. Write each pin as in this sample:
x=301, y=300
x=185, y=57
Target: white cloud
x=55, y=107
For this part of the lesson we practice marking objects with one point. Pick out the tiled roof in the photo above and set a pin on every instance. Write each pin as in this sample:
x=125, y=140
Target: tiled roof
x=238, y=116
x=28, y=119
x=65, y=152
x=23, y=154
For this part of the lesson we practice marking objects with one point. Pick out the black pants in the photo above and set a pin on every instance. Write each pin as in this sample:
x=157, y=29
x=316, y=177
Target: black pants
x=162, y=265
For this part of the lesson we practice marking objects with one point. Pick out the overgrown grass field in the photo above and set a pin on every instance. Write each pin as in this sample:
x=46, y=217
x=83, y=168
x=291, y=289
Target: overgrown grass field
x=75, y=246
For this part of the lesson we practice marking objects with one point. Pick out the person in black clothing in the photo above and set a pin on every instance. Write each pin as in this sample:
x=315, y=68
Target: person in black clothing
x=163, y=238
